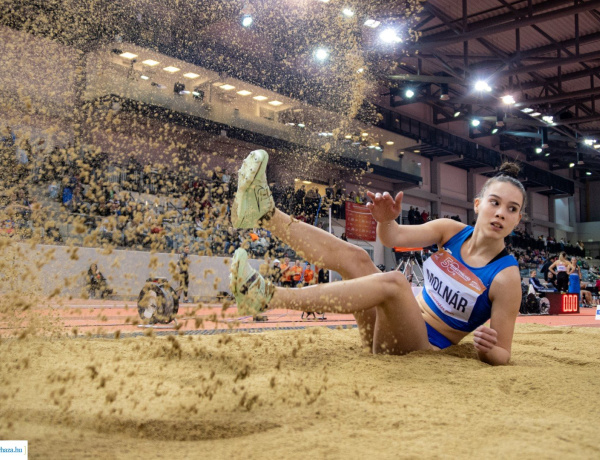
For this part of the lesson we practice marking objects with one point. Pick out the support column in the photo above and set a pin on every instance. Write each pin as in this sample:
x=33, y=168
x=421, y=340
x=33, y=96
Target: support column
x=529, y=211
x=471, y=191
x=551, y=214
x=435, y=179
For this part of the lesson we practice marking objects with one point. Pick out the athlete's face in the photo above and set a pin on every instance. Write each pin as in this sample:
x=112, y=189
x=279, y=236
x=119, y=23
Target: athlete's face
x=499, y=211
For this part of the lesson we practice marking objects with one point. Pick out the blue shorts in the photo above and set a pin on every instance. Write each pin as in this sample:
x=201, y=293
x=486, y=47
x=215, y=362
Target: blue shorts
x=437, y=339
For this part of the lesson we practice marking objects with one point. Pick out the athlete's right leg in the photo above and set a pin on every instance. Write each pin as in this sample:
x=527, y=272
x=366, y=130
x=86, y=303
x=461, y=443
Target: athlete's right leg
x=399, y=328
x=324, y=249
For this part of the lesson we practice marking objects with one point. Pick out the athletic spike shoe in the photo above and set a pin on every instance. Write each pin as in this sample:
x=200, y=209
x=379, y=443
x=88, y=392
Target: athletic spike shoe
x=251, y=291
x=253, y=200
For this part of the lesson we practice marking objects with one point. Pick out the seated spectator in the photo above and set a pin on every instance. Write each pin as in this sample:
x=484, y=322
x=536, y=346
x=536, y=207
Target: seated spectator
x=546, y=267
x=7, y=228
x=97, y=282
x=538, y=285
x=275, y=272
x=552, y=280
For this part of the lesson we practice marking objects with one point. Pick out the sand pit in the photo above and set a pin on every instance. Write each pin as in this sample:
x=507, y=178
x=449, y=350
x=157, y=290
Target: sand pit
x=305, y=394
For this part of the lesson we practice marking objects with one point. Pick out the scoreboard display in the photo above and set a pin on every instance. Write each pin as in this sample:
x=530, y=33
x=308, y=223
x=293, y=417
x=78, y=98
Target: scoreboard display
x=563, y=304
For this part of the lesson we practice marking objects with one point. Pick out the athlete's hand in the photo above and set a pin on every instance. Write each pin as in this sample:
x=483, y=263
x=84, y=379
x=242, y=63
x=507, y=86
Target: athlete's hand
x=383, y=207
x=485, y=338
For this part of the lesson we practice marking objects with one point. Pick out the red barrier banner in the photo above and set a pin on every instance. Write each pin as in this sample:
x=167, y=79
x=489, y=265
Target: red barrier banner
x=360, y=224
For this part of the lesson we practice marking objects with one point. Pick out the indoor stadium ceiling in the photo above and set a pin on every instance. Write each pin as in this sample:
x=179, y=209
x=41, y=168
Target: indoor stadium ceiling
x=527, y=71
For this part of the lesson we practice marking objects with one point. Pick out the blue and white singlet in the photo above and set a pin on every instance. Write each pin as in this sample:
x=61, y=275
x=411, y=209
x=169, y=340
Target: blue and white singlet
x=455, y=297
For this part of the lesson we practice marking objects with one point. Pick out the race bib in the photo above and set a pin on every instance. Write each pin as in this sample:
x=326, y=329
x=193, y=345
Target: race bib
x=451, y=285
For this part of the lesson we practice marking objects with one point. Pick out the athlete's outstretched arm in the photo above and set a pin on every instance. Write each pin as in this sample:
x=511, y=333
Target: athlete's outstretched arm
x=386, y=209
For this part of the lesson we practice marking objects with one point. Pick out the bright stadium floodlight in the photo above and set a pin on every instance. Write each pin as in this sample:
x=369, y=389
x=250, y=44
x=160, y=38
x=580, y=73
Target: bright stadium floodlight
x=321, y=54
x=389, y=36
x=475, y=122
x=482, y=86
x=409, y=93
x=508, y=99
x=247, y=20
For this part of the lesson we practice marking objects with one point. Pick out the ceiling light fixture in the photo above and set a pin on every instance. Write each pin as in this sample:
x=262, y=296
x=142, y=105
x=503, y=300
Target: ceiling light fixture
x=247, y=20
x=348, y=12
x=372, y=23
x=247, y=15
x=191, y=75
x=538, y=150
x=128, y=55
x=499, y=119
x=321, y=54
x=260, y=98
x=508, y=99
x=389, y=36
x=171, y=69
x=548, y=119
x=571, y=165
x=495, y=130
x=276, y=103
x=145, y=77
x=150, y=62
x=544, y=133
x=244, y=92
x=409, y=93
x=588, y=173
x=547, y=154
x=535, y=114
x=475, y=122
x=527, y=110
x=444, y=92
x=589, y=141
x=457, y=114
x=482, y=85
x=227, y=87
x=389, y=143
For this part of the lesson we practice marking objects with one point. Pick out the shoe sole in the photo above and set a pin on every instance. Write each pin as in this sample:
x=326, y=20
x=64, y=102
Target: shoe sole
x=235, y=269
x=258, y=168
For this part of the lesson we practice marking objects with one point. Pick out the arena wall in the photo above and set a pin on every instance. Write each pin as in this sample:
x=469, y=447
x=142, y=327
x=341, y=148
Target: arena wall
x=64, y=269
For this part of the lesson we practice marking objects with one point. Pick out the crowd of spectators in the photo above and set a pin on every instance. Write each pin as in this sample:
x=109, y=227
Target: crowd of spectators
x=152, y=207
